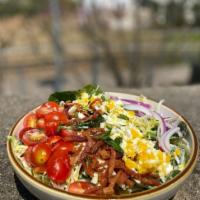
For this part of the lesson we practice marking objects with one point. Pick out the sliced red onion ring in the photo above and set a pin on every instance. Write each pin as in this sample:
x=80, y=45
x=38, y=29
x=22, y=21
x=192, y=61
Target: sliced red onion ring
x=164, y=141
x=139, y=108
x=162, y=124
x=146, y=105
x=146, y=111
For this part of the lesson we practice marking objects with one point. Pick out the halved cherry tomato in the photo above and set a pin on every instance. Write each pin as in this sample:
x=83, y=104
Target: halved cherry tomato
x=63, y=146
x=30, y=120
x=28, y=156
x=53, y=140
x=41, y=123
x=40, y=154
x=58, y=168
x=65, y=132
x=32, y=136
x=51, y=128
x=46, y=108
x=79, y=187
x=56, y=117
x=22, y=131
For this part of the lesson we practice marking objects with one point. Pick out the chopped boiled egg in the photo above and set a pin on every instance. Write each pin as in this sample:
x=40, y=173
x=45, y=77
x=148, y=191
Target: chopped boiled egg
x=141, y=156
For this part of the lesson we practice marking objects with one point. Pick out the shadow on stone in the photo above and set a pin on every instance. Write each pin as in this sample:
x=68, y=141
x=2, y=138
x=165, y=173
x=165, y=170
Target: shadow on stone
x=25, y=194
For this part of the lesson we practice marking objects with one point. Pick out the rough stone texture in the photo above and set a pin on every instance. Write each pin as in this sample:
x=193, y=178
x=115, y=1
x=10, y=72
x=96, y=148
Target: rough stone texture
x=186, y=100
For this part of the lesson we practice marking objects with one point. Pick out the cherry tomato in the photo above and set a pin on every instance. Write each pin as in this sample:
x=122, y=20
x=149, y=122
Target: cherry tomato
x=52, y=104
x=30, y=120
x=22, y=131
x=53, y=140
x=28, y=156
x=41, y=123
x=58, y=168
x=63, y=146
x=46, y=108
x=51, y=128
x=65, y=132
x=32, y=136
x=79, y=187
x=40, y=154
x=56, y=117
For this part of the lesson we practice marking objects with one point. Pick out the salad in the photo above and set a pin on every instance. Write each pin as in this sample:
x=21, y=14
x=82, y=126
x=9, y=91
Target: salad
x=87, y=142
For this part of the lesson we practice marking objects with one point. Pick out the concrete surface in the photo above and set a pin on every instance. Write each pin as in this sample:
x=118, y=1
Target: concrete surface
x=186, y=100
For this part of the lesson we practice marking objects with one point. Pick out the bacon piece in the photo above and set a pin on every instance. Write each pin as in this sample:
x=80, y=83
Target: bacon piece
x=146, y=179
x=87, y=148
x=113, y=180
x=104, y=154
x=111, y=163
x=122, y=179
x=97, y=146
x=94, y=163
x=93, y=190
x=130, y=183
x=150, y=181
x=74, y=158
x=103, y=178
x=88, y=169
x=96, y=131
x=74, y=138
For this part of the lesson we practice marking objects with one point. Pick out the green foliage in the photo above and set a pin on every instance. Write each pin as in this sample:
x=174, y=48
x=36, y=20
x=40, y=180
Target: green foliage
x=72, y=95
x=92, y=89
x=113, y=143
x=94, y=123
x=173, y=174
x=63, y=96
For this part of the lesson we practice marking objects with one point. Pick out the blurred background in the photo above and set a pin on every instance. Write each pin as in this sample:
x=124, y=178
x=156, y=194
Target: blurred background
x=48, y=45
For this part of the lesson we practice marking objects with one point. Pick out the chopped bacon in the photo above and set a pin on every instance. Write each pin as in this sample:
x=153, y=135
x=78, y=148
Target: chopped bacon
x=96, y=131
x=76, y=121
x=76, y=156
x=87, y=148
x=104, y=154
x=94, y=190
x=146, y=179
x=97, y=146
x=94, y=163
x=113, y=180
x=130, y=183
x=111, y=163
x=122, y=179
x=150, y=181
x=88, y=169
x=103, y=178
x=74, y=138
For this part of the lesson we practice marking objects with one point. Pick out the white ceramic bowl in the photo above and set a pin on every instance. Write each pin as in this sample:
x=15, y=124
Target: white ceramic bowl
x=165, y=191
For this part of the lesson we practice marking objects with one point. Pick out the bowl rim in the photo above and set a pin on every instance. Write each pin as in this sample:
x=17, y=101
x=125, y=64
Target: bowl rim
x=176, y=180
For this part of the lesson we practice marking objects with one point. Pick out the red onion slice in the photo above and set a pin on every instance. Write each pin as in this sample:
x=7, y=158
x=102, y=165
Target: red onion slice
x=162, y=124
x=146, y=105
x=164, y=141
x=139, y=108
